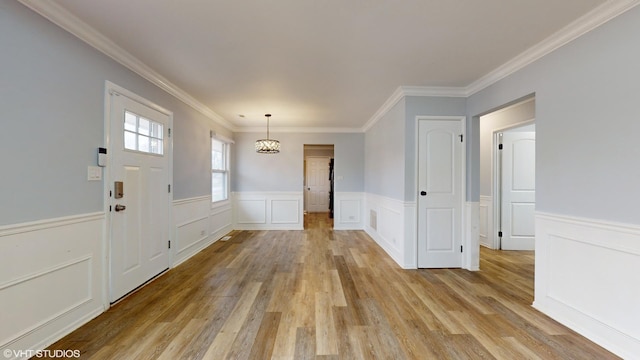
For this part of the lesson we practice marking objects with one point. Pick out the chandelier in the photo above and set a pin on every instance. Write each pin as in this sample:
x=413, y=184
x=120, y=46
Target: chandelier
x=267, y=146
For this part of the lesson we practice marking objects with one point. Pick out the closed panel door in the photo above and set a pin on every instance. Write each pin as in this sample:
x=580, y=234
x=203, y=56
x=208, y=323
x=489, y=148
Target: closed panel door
x=440, y=193
x=317, y=184
x=518, y=190
x=139, y=201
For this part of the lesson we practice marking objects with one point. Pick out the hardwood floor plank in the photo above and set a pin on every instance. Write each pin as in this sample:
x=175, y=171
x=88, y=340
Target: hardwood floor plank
x=262, y=347
x=324, y=294
x=326, y=336
x=223, y=341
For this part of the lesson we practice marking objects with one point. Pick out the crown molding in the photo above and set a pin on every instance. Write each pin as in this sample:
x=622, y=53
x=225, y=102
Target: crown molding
x=255, y=129
x=72, y=24
x=574, y=30
x=403, y=91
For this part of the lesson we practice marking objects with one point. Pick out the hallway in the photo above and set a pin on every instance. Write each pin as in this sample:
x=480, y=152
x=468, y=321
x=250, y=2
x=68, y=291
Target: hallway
x=320, y=293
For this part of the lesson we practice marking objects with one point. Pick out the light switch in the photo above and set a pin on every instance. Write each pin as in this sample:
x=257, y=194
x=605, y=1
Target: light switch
x=94, y=173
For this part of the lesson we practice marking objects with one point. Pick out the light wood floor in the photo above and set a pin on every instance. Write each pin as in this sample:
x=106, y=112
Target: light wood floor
x=327, y=294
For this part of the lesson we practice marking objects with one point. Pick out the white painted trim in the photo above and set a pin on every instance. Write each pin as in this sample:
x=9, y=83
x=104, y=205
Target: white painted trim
x=7, y=230
x=593, y=19
x=191, y=200
x=272, y=129
x=74, y=25
x=471, y=240
x=586, y=271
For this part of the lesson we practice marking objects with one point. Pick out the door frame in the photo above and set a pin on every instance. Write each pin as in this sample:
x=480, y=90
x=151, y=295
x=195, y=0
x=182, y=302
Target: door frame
x=464, y=232
x=110, y=90
x=496, y=179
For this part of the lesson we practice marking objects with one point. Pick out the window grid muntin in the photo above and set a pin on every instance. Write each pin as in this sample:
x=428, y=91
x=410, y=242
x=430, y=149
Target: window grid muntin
x=142, y=134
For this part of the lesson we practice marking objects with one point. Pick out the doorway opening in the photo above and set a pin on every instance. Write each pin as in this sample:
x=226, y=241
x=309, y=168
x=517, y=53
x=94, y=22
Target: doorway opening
x=318, y=182
x=507, y=177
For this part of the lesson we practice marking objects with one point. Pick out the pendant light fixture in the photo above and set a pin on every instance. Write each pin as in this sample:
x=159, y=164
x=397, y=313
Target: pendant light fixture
x=267, y=146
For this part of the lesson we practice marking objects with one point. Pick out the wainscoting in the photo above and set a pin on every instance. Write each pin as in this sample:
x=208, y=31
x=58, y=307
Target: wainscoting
x=51, y=279
x=487, y=234
x=392, y=224
x=198, y=224
x=268, y=210
x=587, y=278
x=348, y=211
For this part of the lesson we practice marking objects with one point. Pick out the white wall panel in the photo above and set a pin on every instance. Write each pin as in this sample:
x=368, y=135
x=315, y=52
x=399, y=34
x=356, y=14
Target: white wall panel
x=251, y=211
x=390, y=231
x=51, y=279
x=285, y=211
x=586, y=279
x=198, y=224
x=268, y=210
x=348, y=211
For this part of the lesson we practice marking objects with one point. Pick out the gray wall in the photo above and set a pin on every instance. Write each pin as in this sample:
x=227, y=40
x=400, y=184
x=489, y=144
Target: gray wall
x=384, y=161
x=284, y=171
x=52, y=114
x=488, y=125
x=587, y=152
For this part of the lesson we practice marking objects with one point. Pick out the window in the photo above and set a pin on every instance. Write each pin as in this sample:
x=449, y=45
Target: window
x=219, y=170
x=142, y=134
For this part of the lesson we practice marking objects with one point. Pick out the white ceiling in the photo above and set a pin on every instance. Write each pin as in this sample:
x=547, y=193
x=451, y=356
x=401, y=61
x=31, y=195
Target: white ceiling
x=321, y=63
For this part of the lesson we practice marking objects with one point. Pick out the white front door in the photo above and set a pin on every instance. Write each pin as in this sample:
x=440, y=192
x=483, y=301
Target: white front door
x=318, y=185
x=518, y=190
x=440, y=193
x=139, y=216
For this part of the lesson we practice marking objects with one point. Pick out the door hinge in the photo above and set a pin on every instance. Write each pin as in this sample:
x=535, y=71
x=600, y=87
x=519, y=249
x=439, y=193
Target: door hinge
x=169, y=188
x=499, y=146
x=110, y=193
x=169, y=132
x=499, y=233
x=461, y=137
x=461, y=248
x=109, y=208
x=169, y=244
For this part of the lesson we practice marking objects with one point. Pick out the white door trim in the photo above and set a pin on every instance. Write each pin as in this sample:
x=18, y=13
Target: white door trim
x=466, y=242
x=496, y=176
x=111, y=88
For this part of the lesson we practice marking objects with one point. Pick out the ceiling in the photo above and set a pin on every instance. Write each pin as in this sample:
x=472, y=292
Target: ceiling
x=321, y=63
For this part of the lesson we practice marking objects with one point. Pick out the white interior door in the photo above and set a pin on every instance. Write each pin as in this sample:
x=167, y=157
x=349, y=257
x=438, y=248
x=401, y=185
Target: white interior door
x=317, y=184
x=518, y=190
x=440, y=193
x=139, y=216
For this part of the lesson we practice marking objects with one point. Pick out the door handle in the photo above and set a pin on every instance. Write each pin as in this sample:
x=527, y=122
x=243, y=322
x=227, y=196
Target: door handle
x=120, y=207
x=423, y=193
